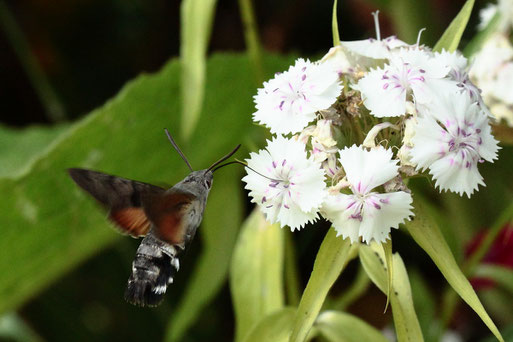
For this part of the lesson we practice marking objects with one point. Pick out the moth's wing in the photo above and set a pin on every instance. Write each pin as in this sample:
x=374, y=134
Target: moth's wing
x=123, y=198
x=168, y=213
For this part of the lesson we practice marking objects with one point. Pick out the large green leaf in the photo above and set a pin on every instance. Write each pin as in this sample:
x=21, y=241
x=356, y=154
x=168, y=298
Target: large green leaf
x=339, y=326
x=196, y=19
x=256, y=273
x=274, y=327
x=20, y=148
x=49, y=225
x=373, y=259
x=331, y=259
x=427, y=234
x=452, y=35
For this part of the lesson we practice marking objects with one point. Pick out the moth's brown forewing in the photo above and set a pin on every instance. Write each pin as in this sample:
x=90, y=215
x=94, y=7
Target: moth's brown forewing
x=123, y=198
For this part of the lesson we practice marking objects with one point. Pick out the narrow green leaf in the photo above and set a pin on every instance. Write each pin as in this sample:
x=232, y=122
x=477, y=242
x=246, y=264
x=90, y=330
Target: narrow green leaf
x=22, y=147
x=334, y=25
x=274, y=327
x=196, y=24
x=452, y=35
x=329, y=263
x=427, y=234
x=387, y=248
x=503, y=276
x=425, y=305
x=256, y=272
x=339, y=326
x=507, y=331
x=405, y=319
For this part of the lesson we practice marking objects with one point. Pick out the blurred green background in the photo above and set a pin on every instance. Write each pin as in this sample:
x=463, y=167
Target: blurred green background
x=63, y=270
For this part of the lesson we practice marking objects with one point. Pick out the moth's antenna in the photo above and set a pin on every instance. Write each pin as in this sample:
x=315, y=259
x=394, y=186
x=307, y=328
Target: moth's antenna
x=225, y=164
x=178, y=149
x=236, y=161
x=224, y=158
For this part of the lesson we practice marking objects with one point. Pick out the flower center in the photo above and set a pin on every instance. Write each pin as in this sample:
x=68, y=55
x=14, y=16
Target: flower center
x=403, y=78
x=362, y=201
x=466, y=142
x=465, y=84
x=293, y=93
x=279, y=189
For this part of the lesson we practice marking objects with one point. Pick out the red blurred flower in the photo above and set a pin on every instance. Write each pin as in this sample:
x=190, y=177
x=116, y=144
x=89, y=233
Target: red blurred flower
x=500, y=253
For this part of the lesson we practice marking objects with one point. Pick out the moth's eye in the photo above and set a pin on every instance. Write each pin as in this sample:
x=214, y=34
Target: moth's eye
x=208, y=183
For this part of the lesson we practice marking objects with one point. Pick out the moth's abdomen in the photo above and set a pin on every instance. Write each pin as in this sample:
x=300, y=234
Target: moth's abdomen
x=152, y=271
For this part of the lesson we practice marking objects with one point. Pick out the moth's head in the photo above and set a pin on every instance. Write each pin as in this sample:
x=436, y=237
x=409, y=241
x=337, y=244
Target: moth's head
x=199, y=181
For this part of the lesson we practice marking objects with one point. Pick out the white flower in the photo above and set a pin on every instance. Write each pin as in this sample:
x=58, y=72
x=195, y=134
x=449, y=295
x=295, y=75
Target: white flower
x=338, y=59
x=294, y=190
x=505, y=8
x=487, y=63
x=451, y=136
x=454, y=60
x=288, y=102
x=485, y=15
x=365, y=52
x=374, y=48
x=459, y=76
x=386, y=91
x=492, y=71
x=367, y=213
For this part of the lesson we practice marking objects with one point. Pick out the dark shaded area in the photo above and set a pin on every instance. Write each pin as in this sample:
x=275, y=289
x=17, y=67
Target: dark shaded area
x=88, y=49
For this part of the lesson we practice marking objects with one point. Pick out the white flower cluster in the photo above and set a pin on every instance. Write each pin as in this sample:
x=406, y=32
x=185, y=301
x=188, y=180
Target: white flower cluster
x=492, y=65
x=328, y=155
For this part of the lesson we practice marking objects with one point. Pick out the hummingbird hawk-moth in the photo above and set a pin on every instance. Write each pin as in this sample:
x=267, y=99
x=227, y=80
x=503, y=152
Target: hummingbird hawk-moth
x=167, y=219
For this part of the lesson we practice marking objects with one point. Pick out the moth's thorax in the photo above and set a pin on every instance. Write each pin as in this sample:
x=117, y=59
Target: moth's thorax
x=197, y=183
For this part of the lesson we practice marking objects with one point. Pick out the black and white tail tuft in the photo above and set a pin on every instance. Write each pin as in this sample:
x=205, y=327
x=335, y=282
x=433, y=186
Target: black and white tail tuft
x=152, y=271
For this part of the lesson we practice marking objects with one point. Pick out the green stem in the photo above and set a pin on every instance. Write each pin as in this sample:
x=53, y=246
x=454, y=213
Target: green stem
x=251, y=37
x=334, y=25
x=54, y=109
x=331, y=259
x=291, y=272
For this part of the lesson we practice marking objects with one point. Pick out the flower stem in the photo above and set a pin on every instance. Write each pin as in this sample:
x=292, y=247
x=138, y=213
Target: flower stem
x=334, y=25
x=291, y=272
x=252, y=40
